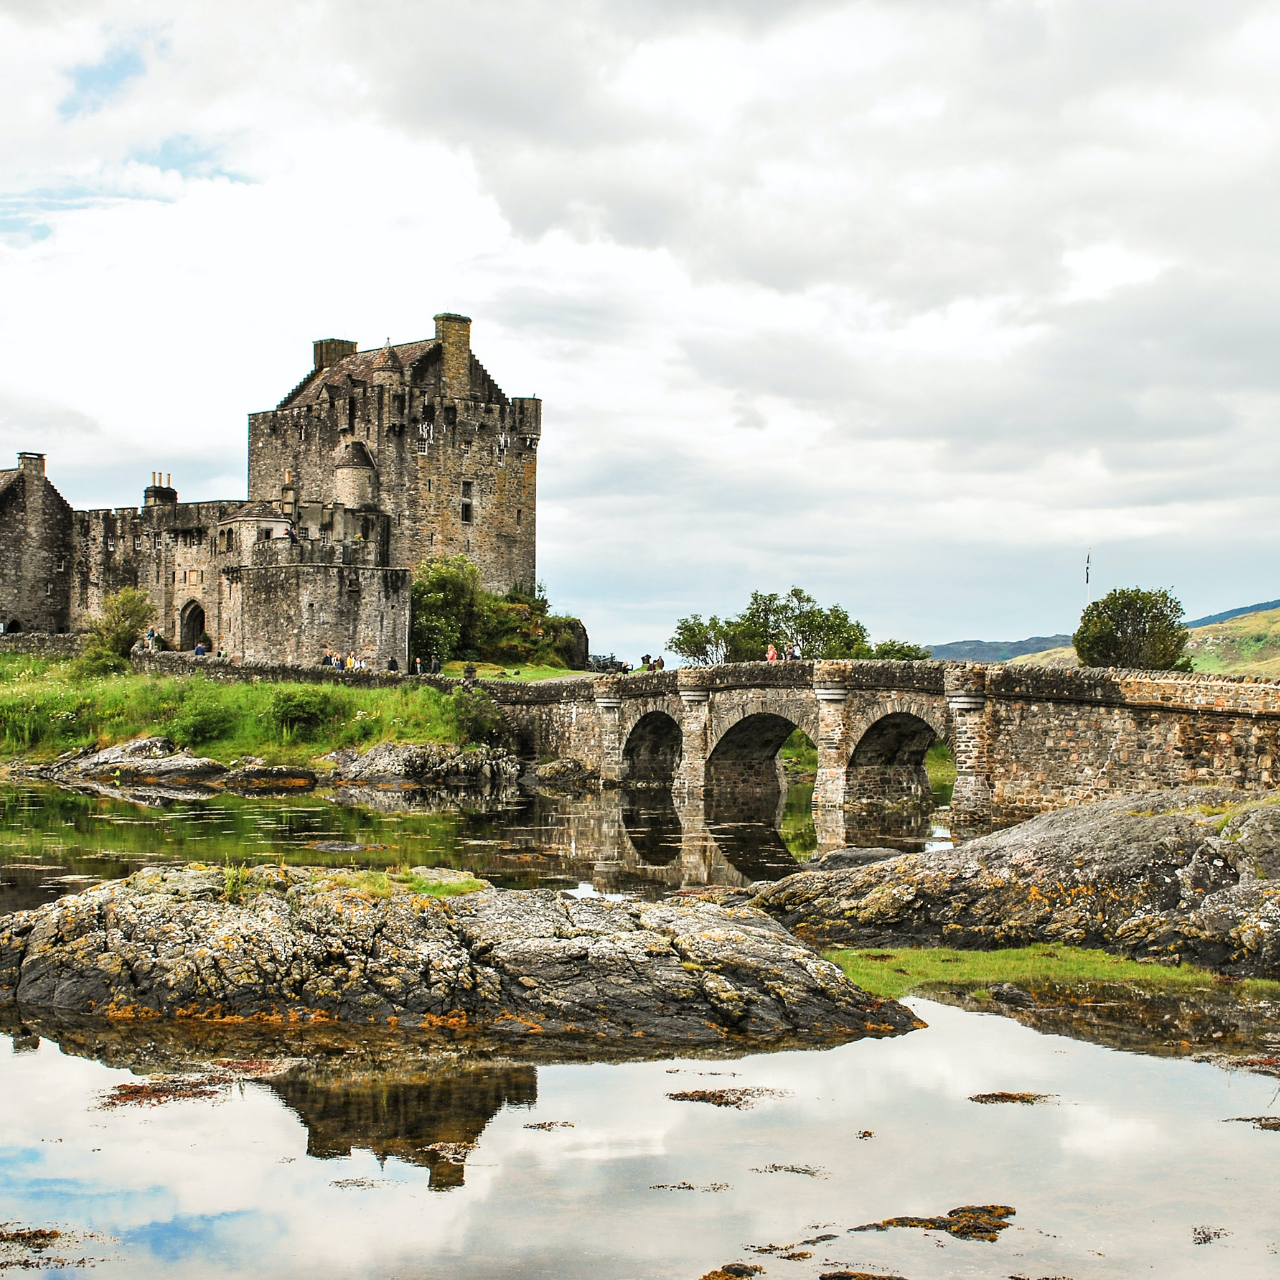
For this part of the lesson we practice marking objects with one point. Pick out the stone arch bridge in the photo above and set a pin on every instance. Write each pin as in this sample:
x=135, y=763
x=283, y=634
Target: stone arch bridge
x=1024, y=739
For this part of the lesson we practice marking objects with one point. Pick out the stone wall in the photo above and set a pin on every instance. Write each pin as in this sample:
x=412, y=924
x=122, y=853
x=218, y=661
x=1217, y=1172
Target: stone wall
x=1062, y=737
x=43, y=644
x=36, y=545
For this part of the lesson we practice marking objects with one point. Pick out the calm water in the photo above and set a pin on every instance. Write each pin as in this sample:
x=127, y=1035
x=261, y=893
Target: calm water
x=335, y=1168
x=54, y=841
x=326, y=1172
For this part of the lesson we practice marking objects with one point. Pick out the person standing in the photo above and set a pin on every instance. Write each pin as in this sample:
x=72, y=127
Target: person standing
x=771, y=654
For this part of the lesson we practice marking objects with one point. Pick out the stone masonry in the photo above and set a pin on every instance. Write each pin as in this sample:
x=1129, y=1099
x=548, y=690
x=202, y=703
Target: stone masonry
x=1025, y=739
x=375, y=461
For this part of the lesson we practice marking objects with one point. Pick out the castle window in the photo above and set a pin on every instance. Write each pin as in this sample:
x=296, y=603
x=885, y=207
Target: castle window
x=202, y=577
x=422, y=446
x=48, y=588
x=466, y=488
x=62, y=564
x=518, y=515
x=137, y=542
x=428, y=484
x=351, y=413
x=466, y=513
x=111, y=544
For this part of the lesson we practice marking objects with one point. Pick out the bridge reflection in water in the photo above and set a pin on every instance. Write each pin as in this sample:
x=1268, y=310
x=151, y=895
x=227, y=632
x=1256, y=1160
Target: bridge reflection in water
x=652, y=840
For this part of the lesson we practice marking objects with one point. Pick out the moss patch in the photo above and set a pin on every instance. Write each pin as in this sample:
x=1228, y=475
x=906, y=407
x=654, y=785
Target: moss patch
x=894, y=973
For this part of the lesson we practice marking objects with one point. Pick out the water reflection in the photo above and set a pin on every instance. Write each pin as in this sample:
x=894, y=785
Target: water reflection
x=643, y=840
x=585, y=1170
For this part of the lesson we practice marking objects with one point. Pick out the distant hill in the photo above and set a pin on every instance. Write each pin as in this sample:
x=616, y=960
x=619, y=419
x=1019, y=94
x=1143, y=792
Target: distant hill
x=996, y=650
x=1243, y=643
x=1233, y=613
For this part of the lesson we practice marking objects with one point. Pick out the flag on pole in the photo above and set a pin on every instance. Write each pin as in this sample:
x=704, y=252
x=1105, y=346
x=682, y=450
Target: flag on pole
x=1088, y=557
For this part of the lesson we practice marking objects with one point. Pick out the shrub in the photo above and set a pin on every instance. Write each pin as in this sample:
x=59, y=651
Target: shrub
x=114, y=632
x=476, y=717
x=201, y=717
x=297, y=710
x=1133, y=628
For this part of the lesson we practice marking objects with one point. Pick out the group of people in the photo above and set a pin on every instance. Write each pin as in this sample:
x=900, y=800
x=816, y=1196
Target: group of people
x=350, y=663
x=651, y=664
x=432, y=669
x=790, y=653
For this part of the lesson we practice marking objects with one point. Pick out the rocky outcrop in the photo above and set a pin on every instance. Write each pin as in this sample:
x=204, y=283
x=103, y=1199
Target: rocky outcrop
x=298, y=943
x=851, y=856
x=429, y=764
x=156, y=768
x=1192, y=874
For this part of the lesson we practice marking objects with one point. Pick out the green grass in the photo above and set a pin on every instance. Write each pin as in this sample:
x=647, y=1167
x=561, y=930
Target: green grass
x=45, y=710
x=382, y=884
x=907, y=969
x=492, y=671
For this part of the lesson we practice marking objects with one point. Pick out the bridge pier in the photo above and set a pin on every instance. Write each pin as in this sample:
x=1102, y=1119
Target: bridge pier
x=834, y=748
x=966, y=693
x=612, y=743
x=691, y=774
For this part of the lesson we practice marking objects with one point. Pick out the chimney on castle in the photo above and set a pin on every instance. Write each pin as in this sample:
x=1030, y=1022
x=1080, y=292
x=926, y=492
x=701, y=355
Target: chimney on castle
x=454, y=335
x=160, y=491
x=327, y=351
x=31, y=463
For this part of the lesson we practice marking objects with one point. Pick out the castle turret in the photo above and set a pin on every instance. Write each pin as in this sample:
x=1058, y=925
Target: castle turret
x=355, y=482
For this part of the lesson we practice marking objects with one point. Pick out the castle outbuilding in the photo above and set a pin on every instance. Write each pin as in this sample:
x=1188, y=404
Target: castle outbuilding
x=375, y=461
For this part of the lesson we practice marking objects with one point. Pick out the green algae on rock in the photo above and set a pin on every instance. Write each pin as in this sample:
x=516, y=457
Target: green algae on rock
x=278, y=943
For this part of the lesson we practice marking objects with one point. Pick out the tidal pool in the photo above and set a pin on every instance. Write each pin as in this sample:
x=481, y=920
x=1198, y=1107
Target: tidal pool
x=357, y=1164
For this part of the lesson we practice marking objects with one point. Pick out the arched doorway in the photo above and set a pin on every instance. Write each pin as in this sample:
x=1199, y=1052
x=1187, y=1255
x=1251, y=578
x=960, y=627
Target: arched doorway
x=652, y=753
x=12, y=626
x=887, y=781
x=192, y=624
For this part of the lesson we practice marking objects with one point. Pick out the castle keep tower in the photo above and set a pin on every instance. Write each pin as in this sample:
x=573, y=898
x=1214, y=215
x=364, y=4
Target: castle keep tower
x=418, y=431
x=375, y=461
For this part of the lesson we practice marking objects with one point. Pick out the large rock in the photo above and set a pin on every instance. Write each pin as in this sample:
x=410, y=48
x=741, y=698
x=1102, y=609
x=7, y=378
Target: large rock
x=429, y=764
x=1192, y=874
x=288, y=942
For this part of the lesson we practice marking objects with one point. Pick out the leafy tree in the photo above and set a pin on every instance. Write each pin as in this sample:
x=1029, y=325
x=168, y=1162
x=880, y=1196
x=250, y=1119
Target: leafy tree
x=1133, y=628
x=112, y=634
x=900, y=651
x=448, y=608
x=454, y=617
x=709, y=643
x=780, y=620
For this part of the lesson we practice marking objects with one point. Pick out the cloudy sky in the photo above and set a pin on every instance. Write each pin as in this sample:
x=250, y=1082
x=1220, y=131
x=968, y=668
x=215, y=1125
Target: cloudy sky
x=905, y=302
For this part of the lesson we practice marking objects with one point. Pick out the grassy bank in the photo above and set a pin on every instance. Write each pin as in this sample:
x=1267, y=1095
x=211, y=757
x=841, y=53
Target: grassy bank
x=46, y=710
x=897, y=971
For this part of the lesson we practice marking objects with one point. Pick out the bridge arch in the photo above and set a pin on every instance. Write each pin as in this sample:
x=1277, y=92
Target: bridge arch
x=885, y=777
x=651, y=753
x=745, y=757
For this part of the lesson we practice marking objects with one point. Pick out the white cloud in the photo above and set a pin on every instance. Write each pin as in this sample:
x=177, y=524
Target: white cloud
x=984, y=284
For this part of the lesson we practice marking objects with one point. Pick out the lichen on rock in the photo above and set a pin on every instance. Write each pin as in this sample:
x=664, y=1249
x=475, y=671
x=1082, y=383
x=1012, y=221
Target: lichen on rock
x=1191, y=874
x=297, y=943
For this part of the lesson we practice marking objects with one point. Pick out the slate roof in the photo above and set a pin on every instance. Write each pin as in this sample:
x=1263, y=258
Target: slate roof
x=357, y=368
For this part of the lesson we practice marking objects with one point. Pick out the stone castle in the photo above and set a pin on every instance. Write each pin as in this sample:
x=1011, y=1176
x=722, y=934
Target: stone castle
x=375, y=461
